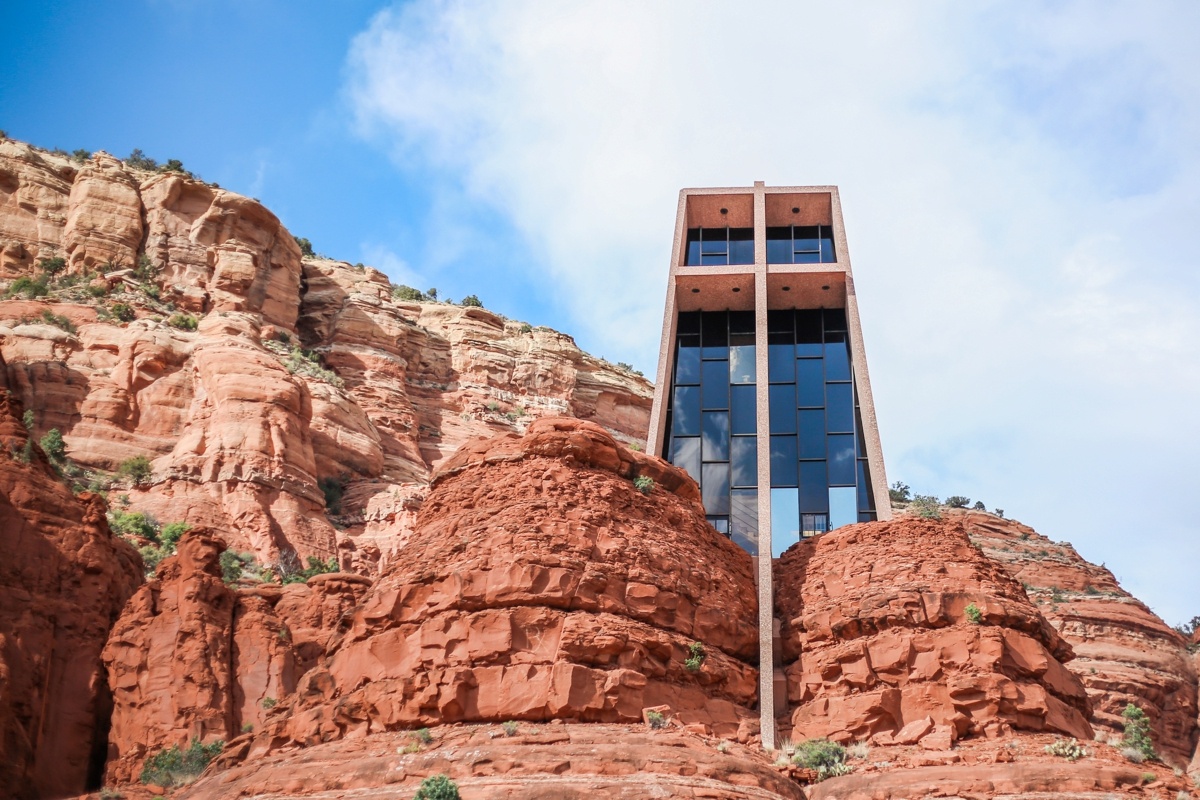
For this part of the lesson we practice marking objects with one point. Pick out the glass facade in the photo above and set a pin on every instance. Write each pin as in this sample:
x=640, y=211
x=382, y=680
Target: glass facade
x=712, y=420
x=800, y=244
x=708, y=247
x=820, y=478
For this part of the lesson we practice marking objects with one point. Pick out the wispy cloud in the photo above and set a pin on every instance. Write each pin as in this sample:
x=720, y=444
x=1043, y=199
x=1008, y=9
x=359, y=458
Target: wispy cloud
x=1020, y=191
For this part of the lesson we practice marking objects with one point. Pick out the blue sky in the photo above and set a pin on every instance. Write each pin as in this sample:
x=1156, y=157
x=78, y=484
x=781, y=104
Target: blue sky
x=1021, y=192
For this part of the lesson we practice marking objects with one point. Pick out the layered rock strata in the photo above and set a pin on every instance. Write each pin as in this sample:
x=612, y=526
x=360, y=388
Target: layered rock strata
x=193, y=658
x=1124, y=653
x=63, y=580
x=307, y=410
x=879, y=643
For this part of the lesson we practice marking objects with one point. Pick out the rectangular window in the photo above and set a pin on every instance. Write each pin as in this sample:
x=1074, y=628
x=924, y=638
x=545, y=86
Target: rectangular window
x=716, y=436
x=743, y=519
x=719, y=246
x=839, y=409
x=721, y=524
x=803, y=244
x=744, y=460
x=842, y=507
x=843, y=466
x=741, y=245
x=782, y=407
x=741, y=364
x=837, y=357
x=685, y=453
x=744, y=417
x=781, y=363
x=687, y=365
x=715, y=384
x=814, y=487
x=783, y=461
x=808, y=334
x=812, y=524
x=685, y=411
x=785, y=520
x=866, y=495
x=812, y=433
x=811, y=382
x=715, y=334
x=714, y=488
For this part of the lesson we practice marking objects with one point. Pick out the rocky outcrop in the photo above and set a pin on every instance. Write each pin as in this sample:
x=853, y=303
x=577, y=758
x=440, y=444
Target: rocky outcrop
x=878, y=641
x=307, y=411
x=1124, y=652
x=192, y=657
x=63, y=580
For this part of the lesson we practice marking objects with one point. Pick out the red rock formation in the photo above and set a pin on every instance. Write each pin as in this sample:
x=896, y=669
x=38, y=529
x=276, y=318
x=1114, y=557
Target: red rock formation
x=193, y=658
x=540, y=584
x=877, y=641
x=63, y=579
x=240, y=427
x=1124, y=652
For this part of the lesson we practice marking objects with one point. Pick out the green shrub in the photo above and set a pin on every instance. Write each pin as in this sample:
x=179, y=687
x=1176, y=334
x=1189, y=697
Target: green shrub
x=27, y=420
x=900, y=493
x=644, y=484
x=96, y=290
x=999, y=512
x=408, y=294
x=53, y=445
x=184, y=322
x=510, y=728
x=1069, y=749
x=696, y=656
x=655, y=720
x=133, y=524
x=233, y=565
x=1137, y=732
x=437, y=787
x=333, y=489
x=52, y=266
x=926, y=506
x=269, y=702
x=979, y=506
x=138, y=160
x=174, y=165
x=123, y=312
x=957, y=501
x=81, y=155
x=472, y=300
x=145, y=269
x=308, y=362
x=50, y=318
x=30, y=287
x=136, y=469
x=306, y=248
x=152, y=556
x=315, y=567
x=526, y=327
x=974, y=614
x=175, y=767
x=828, y=758
x=423, y=736
x=172, y=532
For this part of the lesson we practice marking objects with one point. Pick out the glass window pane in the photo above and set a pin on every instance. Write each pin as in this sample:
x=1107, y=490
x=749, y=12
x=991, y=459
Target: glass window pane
x=715, y=383
x=687, y=365
x=806, y=240
x=745, y=415
x=783, y=461
x=779, y=245
x=866, y=496
x=785, y=520
x=839, y=411
x=842, y=463
x=744, y=461
x=720, y=523
x=741, y=246
x=827, y=254
x=808, y=333
x=866, y=516
x=813, y=524
x=811, y=382
x=685, y=411
x=741, y=322
x=814, y=494
x=837, y=360
x=689, y=322
x=835, y=320
x=781, y=364
x=743, y=519
x=714, y=488
x=693, y=247
x=713, y=259
x=716, y=436
x=715, y=334
x=685, y=453
x=741, y=364
x=812, y=433
x=780, y=322
x=813, y=257
x=714, y=240
x=782, y=399
x=843, y=508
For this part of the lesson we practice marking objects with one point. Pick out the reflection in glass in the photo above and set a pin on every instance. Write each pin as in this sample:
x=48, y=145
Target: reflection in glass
x=839, y=413
x=866, y=495
x=741, y=364
x=693, y=247
x=716, y=436
x=842, y=507
x=720, y=523
x=745, y=415
x=685, y=411
x=837, y=358
x=715, y=383
x=813, y=524
x=813, y=486
x=687, y=366
x=685, y=453
x=744, y=460
x=785, y=520
x=811, y=382
x=783, y=461
x=827, y=254
x=781, y=363
x=782, y=408
x=741, y=245
x=842, y=463
x=715, y=334
x=714, y=488
x=808, y=333
x=812, y=433
x=744, y=519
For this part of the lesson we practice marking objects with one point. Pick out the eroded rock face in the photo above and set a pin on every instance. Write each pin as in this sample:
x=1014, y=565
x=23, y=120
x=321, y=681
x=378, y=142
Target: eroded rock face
x=63, y=580
x=1124, y=652
x=878, y=643
x=540, y=584
x=193, y=658
x=248, y=435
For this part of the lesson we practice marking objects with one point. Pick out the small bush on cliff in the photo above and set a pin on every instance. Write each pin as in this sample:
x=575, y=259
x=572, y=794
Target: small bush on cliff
x=974, y=614
x=290, y=571
x=1069, y=749
x=306, y=248
x=133, y=524
x=510, y=728
x=54, y=446
x=979, y=506
x=333, y=489
x=234, y=565
x=926, y=506
x=900, y=493
x=185, y=322
x=958, y=501
x=1137, y=732
x=437, y=787
x=644, y=484
x=137, y=470
x=828, y=758
x=409, y=294
x=656, y=720
x=123, y=311
x=308, y=362
x=472, y=300
x=139, y=160
x=423, y=736
x=696, y=656
x=49, y=318
x=269, y=702
x=175, y=767
x=30, y=287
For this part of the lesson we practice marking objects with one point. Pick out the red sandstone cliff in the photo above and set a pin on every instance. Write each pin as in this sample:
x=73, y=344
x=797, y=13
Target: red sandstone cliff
x=241, y=424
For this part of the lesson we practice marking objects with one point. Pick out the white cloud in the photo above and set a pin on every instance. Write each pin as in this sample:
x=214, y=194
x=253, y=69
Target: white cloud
x=1020, y=194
